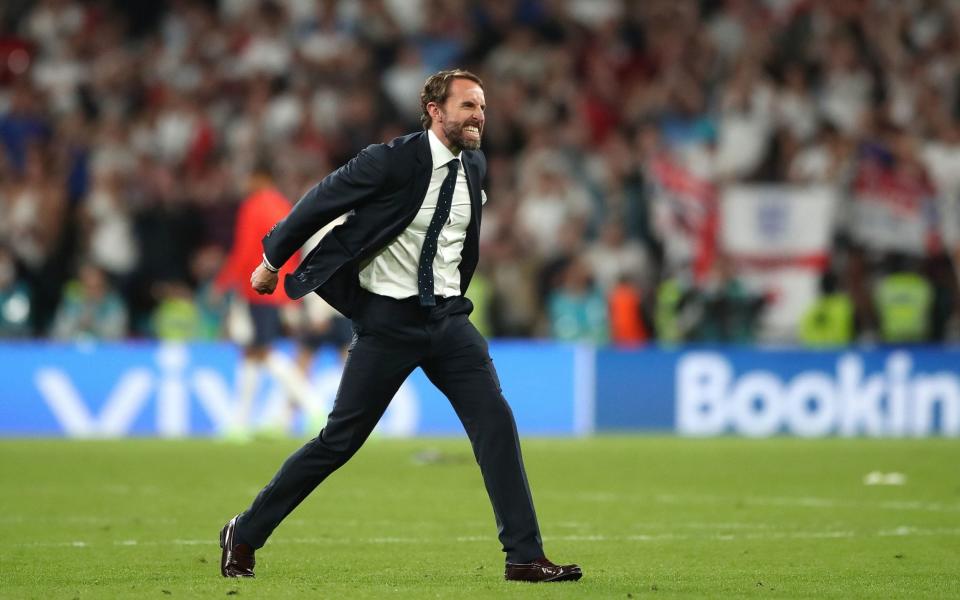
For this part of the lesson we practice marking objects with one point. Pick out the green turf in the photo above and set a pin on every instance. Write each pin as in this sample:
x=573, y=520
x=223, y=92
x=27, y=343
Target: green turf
x=645, y=517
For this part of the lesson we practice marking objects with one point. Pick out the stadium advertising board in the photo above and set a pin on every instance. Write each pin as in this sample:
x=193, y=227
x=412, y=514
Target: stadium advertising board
x=148, y=389
x=880, y=393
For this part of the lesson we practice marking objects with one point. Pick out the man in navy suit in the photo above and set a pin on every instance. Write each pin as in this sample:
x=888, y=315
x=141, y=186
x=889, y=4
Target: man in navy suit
x=398, y=267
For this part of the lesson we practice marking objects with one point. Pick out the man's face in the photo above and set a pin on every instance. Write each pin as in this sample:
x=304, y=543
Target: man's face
x=461, y=116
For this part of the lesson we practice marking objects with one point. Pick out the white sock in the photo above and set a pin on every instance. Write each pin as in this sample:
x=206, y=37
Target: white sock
x=293, y=381
x=249, y=382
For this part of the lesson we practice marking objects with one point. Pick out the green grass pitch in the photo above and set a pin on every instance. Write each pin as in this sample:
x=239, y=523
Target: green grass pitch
x=646, y=517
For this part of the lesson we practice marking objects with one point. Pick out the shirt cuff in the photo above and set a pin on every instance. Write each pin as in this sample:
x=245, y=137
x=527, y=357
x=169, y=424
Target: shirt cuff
x=266, y=263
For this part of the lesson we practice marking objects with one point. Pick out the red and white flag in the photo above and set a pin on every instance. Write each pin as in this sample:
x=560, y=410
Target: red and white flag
x=684, y=215
x=779, y=238
x=894, y=210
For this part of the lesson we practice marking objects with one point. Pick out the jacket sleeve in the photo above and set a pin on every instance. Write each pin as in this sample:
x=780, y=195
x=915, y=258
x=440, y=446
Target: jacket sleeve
x=339, y=193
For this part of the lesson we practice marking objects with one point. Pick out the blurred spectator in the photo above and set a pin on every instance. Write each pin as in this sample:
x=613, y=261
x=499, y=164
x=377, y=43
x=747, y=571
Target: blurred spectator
x=672, y=320
x=847, y=84
x=729, y=310
x=613, y=257
x=109, y=227
x=829, y=322
x=519, y=56
x=481, y=295
x=550, y=201
x=746, y=121
x=176, y=317
x=904, y=300
x=14, y=299
x=441, y=40
x=211, y=304
x=23, y=125
x=827, y=159
x=794, y=107
x=515, y=302
x=168, y=228
x=941, y=155
x=403, y=81
x=90, y=309
x=53, y=22
x=266, y=50
x=37, y=229
x=578, y=312
x=627, y=326
x=35, y=205
x=553, y=269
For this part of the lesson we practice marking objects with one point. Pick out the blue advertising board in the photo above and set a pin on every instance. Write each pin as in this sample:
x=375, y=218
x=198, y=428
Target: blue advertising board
x=151, y=389
x=882, y=392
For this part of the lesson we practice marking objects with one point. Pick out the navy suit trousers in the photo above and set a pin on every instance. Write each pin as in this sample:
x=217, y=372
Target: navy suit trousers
x=391, y=339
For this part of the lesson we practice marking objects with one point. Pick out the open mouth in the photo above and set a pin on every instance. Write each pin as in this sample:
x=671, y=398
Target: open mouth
x=472, y=132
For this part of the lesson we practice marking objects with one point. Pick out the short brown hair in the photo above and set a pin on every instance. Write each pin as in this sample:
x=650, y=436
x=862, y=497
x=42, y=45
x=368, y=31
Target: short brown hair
x=437, y=89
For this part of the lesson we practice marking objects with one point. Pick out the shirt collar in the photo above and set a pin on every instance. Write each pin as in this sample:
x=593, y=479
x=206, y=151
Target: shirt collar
x=440, y=153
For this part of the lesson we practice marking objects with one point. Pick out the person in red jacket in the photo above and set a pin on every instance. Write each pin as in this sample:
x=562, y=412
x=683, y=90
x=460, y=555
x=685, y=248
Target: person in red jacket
x=626, y=315
x=264, y=206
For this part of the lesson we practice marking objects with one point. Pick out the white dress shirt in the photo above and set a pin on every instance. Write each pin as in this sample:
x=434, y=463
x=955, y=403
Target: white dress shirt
x=393, y=271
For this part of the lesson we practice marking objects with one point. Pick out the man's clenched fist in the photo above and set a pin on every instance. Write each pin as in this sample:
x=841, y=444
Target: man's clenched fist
x=263, y=280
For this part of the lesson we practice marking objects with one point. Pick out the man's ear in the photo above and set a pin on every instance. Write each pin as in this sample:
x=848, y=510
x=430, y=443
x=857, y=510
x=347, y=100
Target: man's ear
x=435, y=113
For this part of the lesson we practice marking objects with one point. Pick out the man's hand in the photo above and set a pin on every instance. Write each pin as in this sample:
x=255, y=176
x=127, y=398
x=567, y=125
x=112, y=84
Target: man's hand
x=263, y=280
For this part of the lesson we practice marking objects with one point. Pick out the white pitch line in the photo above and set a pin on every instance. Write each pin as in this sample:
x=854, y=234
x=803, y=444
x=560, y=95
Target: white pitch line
x=807, y=502
x=904, y=531
x=179, y=542
x=642, y=537
x=82, y=519
x=901, y=531
x=728, y=525
x=570, y=524
x=798, y=535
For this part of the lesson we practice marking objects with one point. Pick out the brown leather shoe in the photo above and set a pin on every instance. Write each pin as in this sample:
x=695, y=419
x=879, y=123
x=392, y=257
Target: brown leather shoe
x=541, y=570
x=236, y=560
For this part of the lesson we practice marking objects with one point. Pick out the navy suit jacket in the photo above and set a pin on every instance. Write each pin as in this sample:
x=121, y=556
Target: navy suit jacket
x=381, y=189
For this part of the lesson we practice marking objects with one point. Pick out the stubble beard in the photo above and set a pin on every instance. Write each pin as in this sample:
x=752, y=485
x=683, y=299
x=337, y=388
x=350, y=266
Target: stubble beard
x=454, y=133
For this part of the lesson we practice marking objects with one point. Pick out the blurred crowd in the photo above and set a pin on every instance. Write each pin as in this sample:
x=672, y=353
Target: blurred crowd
x=128, y=129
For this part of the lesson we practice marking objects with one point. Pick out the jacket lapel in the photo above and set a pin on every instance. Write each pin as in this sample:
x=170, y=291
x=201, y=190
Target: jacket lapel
x=473, y=185
x=470, y=253
x=423, y=172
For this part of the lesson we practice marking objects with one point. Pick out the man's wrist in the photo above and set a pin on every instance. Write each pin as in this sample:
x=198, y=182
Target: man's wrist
x=266, y=264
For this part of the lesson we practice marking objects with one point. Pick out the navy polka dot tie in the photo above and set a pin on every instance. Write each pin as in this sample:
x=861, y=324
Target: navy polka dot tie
x=429, y=250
